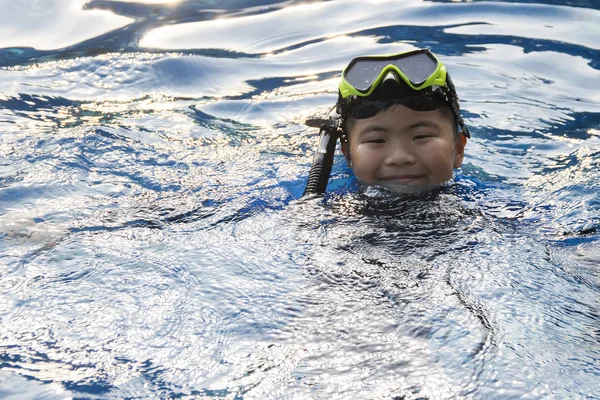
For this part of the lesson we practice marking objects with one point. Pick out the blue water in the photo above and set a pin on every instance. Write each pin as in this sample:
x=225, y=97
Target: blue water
x=152, y=244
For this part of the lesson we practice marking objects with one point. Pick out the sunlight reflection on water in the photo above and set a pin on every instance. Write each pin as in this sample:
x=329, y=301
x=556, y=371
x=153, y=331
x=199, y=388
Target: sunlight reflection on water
x=51, y=24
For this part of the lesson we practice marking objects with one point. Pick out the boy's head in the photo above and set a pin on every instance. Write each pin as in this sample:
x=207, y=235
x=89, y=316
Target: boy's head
x=400, y=119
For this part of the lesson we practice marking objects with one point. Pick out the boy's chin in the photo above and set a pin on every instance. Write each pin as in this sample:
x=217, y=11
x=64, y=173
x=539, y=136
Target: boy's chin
x=397, y=188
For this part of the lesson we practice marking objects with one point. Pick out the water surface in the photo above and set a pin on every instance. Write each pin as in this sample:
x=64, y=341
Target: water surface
x=153, y=245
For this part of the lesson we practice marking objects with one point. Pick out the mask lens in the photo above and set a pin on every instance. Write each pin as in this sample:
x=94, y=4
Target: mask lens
x=416, y=67
x=362, y=73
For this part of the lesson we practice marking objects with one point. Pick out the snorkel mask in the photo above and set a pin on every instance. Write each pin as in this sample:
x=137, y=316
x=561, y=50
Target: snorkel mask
x=369, y=84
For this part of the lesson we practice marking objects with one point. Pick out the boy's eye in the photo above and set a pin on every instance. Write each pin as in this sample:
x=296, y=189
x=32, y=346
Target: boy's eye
x=376, y=141
x=420, y=137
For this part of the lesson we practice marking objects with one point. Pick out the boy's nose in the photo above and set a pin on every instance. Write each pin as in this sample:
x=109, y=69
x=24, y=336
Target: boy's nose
x=400, y=155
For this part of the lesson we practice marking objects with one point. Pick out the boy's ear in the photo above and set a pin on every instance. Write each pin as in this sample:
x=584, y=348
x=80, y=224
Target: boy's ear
x=459, y=149
x=345, y=150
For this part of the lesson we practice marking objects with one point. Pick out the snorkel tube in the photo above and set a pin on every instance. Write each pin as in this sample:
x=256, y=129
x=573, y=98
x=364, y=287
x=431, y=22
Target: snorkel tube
x=323, y=160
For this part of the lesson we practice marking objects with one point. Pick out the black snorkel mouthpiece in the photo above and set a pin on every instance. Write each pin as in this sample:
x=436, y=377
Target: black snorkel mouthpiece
x=323, y=160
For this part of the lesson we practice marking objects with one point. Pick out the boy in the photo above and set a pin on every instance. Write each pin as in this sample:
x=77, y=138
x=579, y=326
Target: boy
x=398, y=120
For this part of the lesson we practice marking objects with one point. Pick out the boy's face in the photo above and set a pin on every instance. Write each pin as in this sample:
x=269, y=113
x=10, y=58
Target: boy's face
x=403, y=147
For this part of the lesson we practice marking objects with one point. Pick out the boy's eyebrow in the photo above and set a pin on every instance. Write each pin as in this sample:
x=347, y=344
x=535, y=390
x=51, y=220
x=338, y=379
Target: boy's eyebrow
x=418, y=124
x=370, y=128
x=426, y=124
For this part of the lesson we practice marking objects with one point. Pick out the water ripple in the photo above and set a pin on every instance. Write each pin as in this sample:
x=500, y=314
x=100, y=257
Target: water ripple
x=153, y=243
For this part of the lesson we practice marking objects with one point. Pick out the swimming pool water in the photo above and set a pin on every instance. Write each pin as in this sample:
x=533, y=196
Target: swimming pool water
x=152, y=241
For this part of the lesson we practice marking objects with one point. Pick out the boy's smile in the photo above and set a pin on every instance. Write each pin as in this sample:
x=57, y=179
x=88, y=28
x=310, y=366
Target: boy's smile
x=403, y=147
